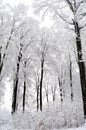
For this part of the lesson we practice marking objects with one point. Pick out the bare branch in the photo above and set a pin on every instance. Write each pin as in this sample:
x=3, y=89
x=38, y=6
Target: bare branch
x=70, y=5
x=79, y=4
x=65, y=20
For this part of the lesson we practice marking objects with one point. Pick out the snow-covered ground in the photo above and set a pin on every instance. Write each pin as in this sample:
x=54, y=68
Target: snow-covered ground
x=8, y=127
x=19, y=122
x=80, y=128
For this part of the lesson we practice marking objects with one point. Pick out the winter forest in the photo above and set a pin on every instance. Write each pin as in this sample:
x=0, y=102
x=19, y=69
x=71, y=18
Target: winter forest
x=42, y=64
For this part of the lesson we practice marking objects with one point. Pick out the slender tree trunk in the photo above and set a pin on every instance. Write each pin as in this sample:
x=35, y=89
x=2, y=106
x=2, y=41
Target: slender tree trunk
x=47, y=97
x=46, y=92
x=4, y=55
x=61, y=92
x=41, y=82
x=71, y=85
x=53, y=97
x=53, y=89
x=14, y=102
x=24, y=94
x=81, y=64
x=16, y=80
x=1, y=63
x=24, y=91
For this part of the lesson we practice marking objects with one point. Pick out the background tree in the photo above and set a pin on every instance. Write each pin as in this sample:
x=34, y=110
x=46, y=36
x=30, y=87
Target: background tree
x=74, y=22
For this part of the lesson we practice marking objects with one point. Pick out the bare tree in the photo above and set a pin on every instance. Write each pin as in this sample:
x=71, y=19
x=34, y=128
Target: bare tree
x=24, y=89
x=46, y=92
x=53, y=89
x=43, y=53
x=75, y=8
x=61, y=81
x=37, y=90
x=16, y=80
x=71, y=83
x=41, y=80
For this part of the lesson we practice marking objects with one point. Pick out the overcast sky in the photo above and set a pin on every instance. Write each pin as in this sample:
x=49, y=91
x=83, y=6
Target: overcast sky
x=45, y=23
x=15, y=2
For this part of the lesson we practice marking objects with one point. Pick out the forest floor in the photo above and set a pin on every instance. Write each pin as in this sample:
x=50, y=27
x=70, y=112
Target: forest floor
x=7, y=123
x=80, y=128
x=8, y=127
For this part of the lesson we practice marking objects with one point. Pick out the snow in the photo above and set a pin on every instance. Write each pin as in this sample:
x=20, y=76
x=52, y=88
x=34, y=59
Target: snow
x=80, y=128
x=36, y=44
x=22, y=121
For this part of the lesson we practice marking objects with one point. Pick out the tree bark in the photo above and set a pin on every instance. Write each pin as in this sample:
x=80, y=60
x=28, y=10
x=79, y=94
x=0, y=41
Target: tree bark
x=41, y=82
x=14, y=102
x=53, y=97
x=3, y=57
x=53, y=89
x=24, y=94
x=16, y=80
x=71, y=85
x=24, y=91
x=61, y=91
x=47, y=97
x=81, y=64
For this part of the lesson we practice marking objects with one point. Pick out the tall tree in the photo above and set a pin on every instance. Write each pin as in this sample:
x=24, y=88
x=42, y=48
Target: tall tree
x=53, y=89
x=41, y=80
x=46, y=92
x=37, y=90
x=24, y=36
x=74, y=7
x=77, y=12
x=24, y=89
x=71, y=82
x=16, y=80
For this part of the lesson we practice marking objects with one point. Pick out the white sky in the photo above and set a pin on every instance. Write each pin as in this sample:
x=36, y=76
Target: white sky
x=15, y=2
x=45, y=23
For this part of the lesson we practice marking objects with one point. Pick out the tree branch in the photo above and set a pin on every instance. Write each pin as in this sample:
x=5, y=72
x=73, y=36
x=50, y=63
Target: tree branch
x=70, y=5
x=63, y=18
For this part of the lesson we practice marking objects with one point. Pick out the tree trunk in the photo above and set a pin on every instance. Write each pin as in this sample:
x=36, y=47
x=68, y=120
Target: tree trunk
x=46, y=92
x=47, y=97
x=14, y=102
x=81, y=64
x=41, y=82
x=71, y=85
x=16, y=80
x=53, y=97
x=61, y=92
x=24, y=93
x=3, y=57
